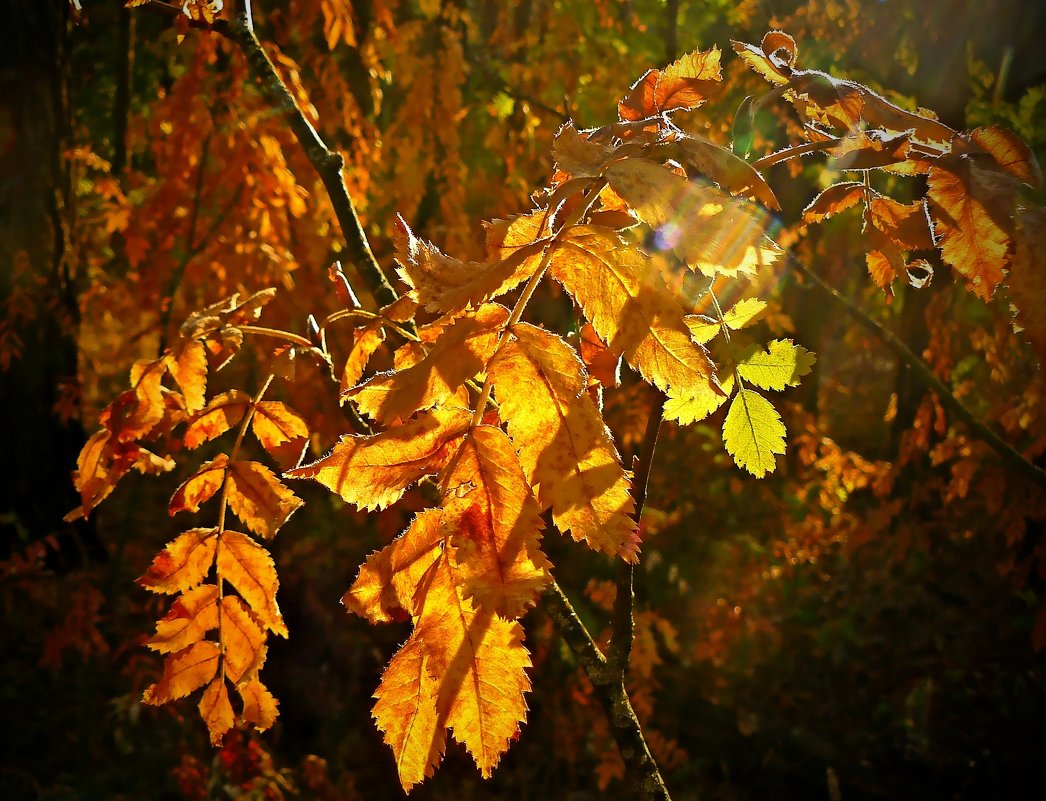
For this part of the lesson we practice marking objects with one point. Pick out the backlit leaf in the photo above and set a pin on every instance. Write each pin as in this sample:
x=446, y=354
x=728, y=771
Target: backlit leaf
x=259, y=707
x=1010, y=152
x=250, y=569
x=281, y=431
x=200, y=487
x=216, y=710
x=834, y=199
x=260, y=499
x=192, y=615
x=495, y=522
x=184, y=672
x=406, y=714
x=564, y=447
x=684, y=84
x=457, y=356
x=184, y=563
x=187, y=364
x=243, y=640
x=753, y=432
x=373, y=471
x=576, y=154
x=222, y=413
x=780, y=366
x=907, y=225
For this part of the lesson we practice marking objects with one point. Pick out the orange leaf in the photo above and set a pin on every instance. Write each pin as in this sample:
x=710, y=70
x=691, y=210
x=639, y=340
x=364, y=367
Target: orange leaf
x=250, y=569
x=773, y=60
x=183, y=563
x=834, y=199
x=406, y=714
x=577, y=154
x=906, y=224
x=222, y=413
x=192, y=615
x=461, y=352
x=865, y=150
x=373, y=471
x=281, y=431
x=1010, y=152
x=633, y=311
x=242, y=640
x=187, y=364
x=564, y=447
x=184, y=672
x=967, y=207
x=365, y=342
x=259, y=706
x=684, y=84
x=480, y=664
x=602, y=364
x=389, y=578
x=200, y=486
x=134, y=413
x=496, y=524
x=260, y=499
x=216, y=710
x=733, y=174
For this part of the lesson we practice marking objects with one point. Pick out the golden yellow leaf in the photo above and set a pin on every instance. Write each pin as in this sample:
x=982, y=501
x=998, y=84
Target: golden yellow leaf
x=457, y=356
x=684, y=84
x=373, y=471
x=709, y=230
x=242, y=640
x=564, y=447
x=183, y=672
x=281, y=430
x=259, y=706
x=200, y=486
x=218, y=416
x=444, y=284
x=260, y=499
x=1010, y=152
x=192, y=615
x=406, y=714
x=365, y=342
x=633, y=311
x=577, y=154
x=183, y=563
x=250, y=569
x=187, y=364
x=480, y=664
x=495, y=522
x=834, y=199
x=134, y=413
x=389, y=578
x=733, y=174
x=967, y=206
x=753, y=432
x=216, y=710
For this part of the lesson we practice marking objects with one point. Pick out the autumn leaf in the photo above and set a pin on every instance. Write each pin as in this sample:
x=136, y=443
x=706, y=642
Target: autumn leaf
x=187, y=364
x=684, y=84
x=780, y=366
x=365, y=342
x=222, y=413
x=773, y=59
x=733, y=174
x=865, y=150
x=753, y=432
x=259, y=499
x=1010, y=152
x=249, y=568
x=709, y=230
x=183, y=672
x=741, y=315
x=389, y=578
x=192, y=615
x=907, y=225
x=967, y=206
x=216, y=710
x=496, y=524
x=576, y=154
x=200, y=486
x=406, y=714
x=833, y=200
x=632, y=310
x=480, y=663
x=564, y=446
x=690, y=410
x=243, y=640
x=183, y=563
x=373, y=471
x=602, y=364
x=259, y=707
x=457, y=356
x=281, y=431
x=134, y=413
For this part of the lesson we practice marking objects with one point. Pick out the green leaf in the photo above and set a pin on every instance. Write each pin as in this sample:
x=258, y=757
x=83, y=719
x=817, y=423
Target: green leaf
x=782, y=366
x=753, y=432
x=744, y=313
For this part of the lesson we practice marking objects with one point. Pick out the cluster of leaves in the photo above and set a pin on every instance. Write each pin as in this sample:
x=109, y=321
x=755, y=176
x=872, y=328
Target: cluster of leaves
x=640, y=226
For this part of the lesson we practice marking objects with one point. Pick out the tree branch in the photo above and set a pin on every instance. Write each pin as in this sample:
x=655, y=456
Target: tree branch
x=1010, y=456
